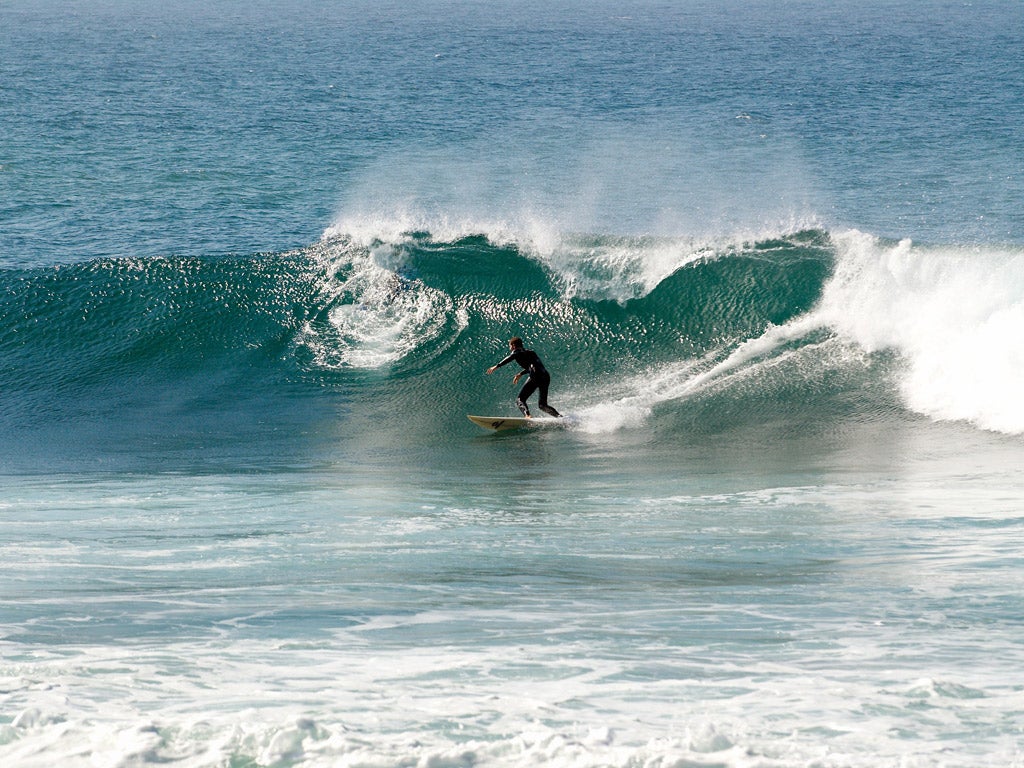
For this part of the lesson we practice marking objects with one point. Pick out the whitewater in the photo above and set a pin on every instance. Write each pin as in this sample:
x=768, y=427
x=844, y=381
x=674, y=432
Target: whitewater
x=255, y=259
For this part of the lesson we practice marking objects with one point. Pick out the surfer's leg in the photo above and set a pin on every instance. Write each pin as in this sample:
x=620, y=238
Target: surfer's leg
x=542, y=401
x=524, y=395
x=549, y=410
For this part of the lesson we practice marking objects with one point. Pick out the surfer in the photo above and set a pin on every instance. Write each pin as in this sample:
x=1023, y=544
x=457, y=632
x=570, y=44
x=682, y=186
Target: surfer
x=539, y=379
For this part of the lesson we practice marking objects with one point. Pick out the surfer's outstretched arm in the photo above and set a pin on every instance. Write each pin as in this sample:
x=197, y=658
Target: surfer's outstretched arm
x=506, y=361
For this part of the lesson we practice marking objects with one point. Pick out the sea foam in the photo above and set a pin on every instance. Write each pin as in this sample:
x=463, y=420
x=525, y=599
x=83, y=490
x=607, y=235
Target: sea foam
x=954, y=315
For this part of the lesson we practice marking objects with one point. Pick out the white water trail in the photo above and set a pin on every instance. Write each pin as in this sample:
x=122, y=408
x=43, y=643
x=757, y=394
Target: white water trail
x=684, y=379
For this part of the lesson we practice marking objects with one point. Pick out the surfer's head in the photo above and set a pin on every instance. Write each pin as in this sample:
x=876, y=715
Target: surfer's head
x=515, y=343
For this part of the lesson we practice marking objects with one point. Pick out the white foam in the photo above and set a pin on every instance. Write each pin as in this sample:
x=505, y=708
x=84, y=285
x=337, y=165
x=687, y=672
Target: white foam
x=394, y=225
x=954, y=315
x=527, y=702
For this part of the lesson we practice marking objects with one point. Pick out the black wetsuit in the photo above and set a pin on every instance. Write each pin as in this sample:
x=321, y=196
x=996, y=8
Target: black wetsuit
x=539, y=379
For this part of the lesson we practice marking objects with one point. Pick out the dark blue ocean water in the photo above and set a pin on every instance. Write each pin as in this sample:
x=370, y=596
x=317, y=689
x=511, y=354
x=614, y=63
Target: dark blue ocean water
x=255, y=258
x=198, y=128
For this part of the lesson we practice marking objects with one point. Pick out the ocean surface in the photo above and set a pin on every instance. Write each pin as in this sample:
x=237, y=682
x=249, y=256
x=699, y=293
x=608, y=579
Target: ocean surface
x=255, y=258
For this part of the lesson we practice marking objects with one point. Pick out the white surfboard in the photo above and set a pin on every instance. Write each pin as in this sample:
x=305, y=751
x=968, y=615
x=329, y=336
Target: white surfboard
x=501, y=423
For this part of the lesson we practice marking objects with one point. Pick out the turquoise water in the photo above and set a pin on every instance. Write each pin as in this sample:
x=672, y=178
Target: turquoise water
x=255, y=258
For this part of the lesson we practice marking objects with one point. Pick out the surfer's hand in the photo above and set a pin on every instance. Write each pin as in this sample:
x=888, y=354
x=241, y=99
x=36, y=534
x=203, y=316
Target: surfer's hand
x=490, y=370
x=515, y=379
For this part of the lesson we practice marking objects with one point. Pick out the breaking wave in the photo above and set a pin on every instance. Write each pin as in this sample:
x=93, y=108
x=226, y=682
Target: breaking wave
x=809, y=322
